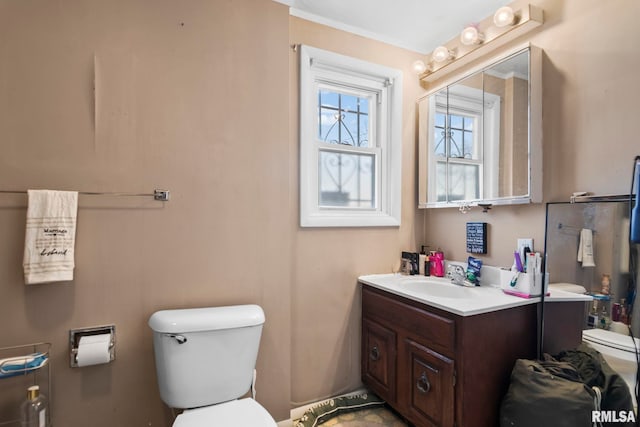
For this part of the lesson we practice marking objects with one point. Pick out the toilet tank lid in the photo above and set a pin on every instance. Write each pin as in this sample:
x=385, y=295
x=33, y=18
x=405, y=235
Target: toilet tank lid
x=206, y=318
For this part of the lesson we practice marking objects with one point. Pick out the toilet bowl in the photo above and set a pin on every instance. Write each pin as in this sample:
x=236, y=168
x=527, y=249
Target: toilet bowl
x=619, y=352
x=205, y=362
x=243, y=412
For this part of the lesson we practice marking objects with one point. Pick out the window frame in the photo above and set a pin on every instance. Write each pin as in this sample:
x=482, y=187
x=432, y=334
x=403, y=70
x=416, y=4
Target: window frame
x=320, y=69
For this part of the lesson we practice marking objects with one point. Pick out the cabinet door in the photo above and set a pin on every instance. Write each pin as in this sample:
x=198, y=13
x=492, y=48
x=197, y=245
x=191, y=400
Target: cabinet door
x=379, y=359
x=430, y=386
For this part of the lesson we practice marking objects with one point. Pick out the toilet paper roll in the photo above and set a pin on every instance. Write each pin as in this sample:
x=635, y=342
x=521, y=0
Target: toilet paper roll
x=93, y=350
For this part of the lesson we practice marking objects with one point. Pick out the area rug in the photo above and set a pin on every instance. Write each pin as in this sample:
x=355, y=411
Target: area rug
x=358, y=410
x=376, y=417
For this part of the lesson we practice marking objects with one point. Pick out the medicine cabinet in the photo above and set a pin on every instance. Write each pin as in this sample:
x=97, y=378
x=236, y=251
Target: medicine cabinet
x=480, y=134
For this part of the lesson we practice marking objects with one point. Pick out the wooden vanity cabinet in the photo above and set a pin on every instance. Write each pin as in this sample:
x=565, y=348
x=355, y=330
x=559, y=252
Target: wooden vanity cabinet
x=440, y=369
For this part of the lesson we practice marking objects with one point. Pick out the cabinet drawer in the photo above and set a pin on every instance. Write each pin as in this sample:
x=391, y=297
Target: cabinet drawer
x=379, y=359
x=430, y=387
x=437, y=330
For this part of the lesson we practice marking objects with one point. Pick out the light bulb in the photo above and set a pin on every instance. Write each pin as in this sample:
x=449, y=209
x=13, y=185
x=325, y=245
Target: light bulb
x=441, y=54
x=419, y=67
x=471, y=35
x=504, y=17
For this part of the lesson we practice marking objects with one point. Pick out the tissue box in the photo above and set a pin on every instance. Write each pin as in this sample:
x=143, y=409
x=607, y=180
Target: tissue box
x=527, y=285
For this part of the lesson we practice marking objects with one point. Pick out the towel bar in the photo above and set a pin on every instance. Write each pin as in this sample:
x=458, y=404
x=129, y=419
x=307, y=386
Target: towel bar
x=160, y=195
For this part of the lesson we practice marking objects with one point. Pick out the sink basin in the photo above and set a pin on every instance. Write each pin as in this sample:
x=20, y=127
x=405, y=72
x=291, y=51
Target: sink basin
x=439, y=289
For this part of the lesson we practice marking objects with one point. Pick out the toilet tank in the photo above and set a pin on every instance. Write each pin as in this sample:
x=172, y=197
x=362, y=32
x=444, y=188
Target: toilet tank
x=205, y=356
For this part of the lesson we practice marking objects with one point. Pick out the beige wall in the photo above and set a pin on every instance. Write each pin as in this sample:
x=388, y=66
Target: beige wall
x=325, y=294
x=590, y=95
x=189, y=96
x=201, y=98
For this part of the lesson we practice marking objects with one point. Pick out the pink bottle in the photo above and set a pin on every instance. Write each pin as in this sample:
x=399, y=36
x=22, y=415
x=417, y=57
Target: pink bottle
x=437, y=263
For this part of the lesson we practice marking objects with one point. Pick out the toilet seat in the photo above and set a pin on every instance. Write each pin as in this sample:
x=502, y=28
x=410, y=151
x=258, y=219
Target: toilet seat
x=619, y=345
x=238, y=413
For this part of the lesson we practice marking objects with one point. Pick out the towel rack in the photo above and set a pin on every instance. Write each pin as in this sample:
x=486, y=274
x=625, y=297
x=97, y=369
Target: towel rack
x=160, y=195
x=575, y=230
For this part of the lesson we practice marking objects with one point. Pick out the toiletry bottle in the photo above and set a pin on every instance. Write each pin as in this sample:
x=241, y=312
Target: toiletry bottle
x=525, y=259
x=416, y=260
x=34, y=410
x=421, y=261
x=615, y=312
x=427, y=265
x=593, y=319
x=624, y=318
x=437, y=263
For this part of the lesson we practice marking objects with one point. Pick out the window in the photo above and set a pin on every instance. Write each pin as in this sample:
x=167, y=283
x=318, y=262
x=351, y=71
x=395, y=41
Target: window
x=350, y=141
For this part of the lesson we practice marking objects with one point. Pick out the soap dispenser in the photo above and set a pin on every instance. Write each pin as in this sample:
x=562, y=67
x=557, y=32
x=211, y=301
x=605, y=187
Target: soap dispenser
x=34, y=410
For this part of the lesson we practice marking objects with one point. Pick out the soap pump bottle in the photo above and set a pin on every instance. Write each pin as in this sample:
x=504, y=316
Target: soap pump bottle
x=34, y=410
x=421, y=260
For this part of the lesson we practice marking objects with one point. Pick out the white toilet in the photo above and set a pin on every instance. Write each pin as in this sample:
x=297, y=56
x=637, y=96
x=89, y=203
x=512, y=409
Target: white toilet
x=205, y=361
x=619, y=352
x=616, y=348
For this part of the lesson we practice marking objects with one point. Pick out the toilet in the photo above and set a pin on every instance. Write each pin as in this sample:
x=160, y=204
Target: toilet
x=205, y=364
x=618, y=351
x=616, y=348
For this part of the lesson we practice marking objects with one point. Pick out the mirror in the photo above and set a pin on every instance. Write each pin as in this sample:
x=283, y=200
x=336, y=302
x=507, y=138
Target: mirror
x=480, y=136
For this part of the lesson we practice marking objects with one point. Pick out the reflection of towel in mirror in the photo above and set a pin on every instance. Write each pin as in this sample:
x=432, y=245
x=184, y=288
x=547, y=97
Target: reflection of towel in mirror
x=585, y=248
x=50, y=236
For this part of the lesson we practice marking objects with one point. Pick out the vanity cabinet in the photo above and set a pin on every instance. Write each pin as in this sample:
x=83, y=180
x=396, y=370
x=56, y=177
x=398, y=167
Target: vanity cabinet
x=437, y=368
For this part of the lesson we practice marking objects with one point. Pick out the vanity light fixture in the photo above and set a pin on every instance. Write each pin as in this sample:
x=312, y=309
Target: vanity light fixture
x=476, y=40
x=419, y=67
x=504, y=17
x=470, y=36
x=442, y=53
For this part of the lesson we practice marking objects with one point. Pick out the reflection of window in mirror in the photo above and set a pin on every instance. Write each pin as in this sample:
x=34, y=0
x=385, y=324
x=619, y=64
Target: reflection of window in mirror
x=461, y=168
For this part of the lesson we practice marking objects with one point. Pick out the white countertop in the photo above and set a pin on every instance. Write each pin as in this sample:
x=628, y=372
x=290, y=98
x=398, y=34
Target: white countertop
x=461, y=300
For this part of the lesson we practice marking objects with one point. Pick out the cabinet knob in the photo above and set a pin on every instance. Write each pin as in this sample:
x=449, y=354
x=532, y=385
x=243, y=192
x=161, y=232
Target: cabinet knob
x=423, y=383
x=374, y=354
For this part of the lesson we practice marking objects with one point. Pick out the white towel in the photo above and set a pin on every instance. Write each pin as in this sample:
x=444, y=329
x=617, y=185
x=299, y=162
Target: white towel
x=50, y=236
x=585, y=248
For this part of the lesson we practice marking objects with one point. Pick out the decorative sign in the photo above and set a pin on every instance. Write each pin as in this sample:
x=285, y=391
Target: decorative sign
x=477, y=237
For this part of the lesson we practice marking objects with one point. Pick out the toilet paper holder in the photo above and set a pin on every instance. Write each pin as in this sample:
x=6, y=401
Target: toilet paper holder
x=76, y=334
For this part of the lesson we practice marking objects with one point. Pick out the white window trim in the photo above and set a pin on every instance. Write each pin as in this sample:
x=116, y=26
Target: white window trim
x=319, y=66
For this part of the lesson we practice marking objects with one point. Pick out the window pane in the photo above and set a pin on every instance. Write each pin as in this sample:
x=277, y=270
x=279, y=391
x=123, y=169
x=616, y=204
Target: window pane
x=329, y=126
x=329, y=99
x=440, y=148
x=468, y=145
x=364, y=105
x=463, y=182
x=350, y=129
x=455, y=144
x=343, y=119
x=456, y=121
x=440, y=120
x=441, y=180
x=364, y=131
x=468, y=123
x=349, y=103
x=346, y=180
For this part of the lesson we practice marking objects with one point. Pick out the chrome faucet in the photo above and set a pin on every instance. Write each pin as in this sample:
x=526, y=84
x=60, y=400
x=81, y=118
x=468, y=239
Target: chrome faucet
x=457, y=274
